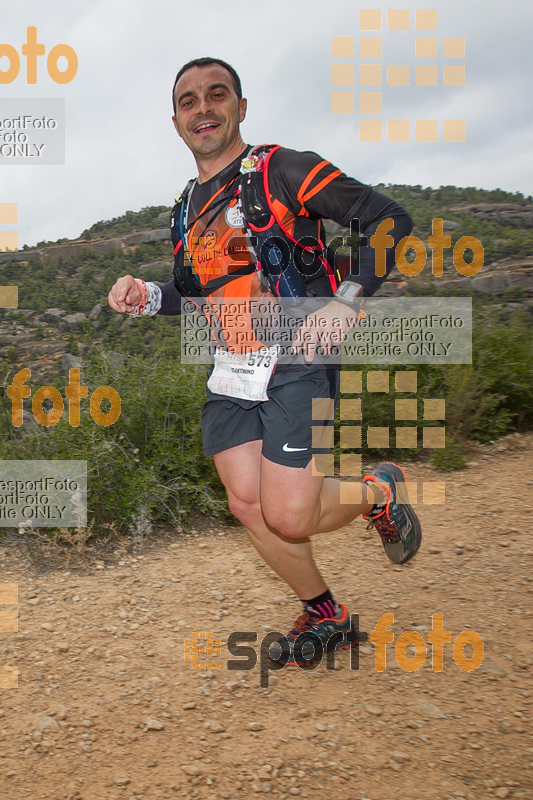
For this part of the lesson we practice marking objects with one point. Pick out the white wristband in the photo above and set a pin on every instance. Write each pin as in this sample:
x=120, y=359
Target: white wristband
x=150, y=300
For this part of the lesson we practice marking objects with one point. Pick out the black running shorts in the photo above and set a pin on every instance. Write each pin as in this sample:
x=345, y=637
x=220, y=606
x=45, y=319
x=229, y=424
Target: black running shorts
x=284, y=422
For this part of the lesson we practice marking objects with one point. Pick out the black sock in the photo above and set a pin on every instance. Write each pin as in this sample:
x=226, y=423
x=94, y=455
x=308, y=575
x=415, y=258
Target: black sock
x=324, y=605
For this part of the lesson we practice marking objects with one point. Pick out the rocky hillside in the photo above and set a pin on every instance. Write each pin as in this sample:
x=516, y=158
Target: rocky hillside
x=63, y=285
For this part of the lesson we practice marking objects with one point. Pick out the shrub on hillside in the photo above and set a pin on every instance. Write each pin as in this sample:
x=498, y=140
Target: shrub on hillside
x=150, y=462
x=514, y=294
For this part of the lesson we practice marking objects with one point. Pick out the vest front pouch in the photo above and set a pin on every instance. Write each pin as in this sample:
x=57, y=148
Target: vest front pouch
x=243, y=375
x=239, y=233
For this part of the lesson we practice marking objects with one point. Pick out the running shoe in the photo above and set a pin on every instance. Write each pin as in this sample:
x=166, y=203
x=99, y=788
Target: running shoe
x=314, y=634
x=395, y=520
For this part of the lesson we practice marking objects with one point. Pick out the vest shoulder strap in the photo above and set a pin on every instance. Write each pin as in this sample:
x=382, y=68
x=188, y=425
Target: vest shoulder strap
x=176, y=221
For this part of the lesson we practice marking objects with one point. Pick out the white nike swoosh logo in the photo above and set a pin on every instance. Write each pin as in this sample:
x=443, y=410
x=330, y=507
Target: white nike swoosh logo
x=292, y=449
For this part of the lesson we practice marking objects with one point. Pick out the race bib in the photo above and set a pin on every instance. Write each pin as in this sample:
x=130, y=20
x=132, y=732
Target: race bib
x=243, y=375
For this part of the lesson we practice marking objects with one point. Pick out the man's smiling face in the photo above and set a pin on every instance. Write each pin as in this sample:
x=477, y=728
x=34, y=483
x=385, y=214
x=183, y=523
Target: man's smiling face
x=208, y=111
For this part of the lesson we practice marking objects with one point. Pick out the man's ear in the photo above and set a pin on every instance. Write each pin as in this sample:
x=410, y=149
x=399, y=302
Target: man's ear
x=175, y=121
x=243, y=103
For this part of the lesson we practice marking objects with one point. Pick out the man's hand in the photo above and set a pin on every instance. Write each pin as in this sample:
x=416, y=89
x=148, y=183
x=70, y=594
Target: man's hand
x=326, y=327
x=124, y=295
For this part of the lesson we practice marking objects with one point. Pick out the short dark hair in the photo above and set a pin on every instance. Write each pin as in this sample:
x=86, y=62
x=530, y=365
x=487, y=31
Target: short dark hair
x=205, y=62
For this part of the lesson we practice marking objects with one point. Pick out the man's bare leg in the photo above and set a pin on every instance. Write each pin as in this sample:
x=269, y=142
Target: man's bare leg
x=303, y=503
x=292, y=559
x=297, y=503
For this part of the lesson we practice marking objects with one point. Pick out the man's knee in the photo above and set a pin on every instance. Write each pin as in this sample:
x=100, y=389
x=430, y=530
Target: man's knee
x=243, y=508
x=291, y=523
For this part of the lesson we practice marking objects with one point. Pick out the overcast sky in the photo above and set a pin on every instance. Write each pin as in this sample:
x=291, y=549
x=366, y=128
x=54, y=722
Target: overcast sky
x=122, y=151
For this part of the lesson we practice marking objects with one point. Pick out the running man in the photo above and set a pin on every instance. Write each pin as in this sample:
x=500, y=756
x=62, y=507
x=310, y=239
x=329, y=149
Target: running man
x=262, y=448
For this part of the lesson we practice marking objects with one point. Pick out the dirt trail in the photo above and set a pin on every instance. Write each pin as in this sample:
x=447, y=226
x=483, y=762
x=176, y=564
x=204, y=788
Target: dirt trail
x=108, y=708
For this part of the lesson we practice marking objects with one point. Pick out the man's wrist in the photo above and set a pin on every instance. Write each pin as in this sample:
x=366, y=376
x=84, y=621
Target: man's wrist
x=341, y=307
x=150, y=302
x=348, y=292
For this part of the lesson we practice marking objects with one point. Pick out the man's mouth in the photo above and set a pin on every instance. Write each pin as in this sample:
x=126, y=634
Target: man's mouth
x=205, y=128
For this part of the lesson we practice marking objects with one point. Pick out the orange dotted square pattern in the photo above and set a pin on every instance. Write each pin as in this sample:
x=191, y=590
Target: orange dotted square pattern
x=372, y=21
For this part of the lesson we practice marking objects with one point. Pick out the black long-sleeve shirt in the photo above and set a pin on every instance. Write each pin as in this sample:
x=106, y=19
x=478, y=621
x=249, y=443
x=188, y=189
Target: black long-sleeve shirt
x=305, y=189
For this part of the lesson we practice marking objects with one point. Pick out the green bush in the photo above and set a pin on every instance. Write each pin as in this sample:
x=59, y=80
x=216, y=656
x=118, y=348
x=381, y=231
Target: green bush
x=503, y=356
x=452, y=456
x=88, y=329
x=149, y=464
x=515, y=293
x=484, y=400
x=73, y=347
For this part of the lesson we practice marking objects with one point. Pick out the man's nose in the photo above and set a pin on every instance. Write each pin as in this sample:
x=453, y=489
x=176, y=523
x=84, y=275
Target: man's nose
x=204, y=106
